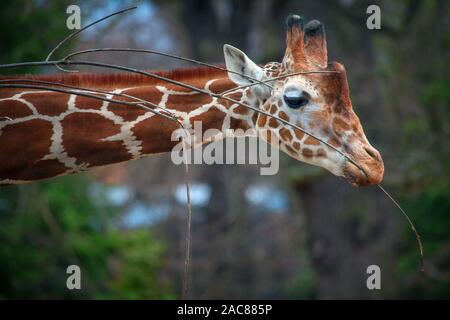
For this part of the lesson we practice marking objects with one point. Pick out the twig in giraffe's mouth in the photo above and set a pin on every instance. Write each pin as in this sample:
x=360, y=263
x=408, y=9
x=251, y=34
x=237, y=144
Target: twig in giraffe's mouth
x=350, y=176
x=355, y=175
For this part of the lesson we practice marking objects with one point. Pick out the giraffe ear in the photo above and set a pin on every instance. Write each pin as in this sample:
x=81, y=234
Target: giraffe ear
x=243, y=69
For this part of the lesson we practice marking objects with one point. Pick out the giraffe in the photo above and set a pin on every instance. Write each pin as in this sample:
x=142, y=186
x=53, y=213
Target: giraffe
x=45, y=134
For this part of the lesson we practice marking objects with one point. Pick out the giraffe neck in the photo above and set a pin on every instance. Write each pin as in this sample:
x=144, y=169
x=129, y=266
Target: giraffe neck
x=48, y=134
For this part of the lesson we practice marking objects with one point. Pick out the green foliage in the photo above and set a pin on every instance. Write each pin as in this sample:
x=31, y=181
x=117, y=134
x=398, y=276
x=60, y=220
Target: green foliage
x=429, y=210
x=30, y=29
x=47, y=226
x=136, y=279
x=304, y=284
x=427, y=199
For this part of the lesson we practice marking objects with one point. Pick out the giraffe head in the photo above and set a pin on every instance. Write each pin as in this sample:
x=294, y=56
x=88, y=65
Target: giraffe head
x=316, y=102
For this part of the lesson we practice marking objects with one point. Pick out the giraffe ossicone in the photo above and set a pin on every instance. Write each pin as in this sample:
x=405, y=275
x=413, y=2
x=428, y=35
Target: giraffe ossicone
x=44, y=134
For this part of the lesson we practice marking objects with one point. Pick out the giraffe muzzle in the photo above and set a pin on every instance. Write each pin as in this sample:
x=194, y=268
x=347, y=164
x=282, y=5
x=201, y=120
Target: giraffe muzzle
x=370, y=160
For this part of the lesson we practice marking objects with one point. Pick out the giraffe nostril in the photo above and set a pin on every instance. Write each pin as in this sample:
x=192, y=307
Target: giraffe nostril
x=372, y=153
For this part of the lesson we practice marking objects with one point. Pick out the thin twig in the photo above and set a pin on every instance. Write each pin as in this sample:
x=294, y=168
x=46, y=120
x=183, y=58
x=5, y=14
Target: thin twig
x=73, y=34
x=169, y=55
x=413, y=228
x=187, y=259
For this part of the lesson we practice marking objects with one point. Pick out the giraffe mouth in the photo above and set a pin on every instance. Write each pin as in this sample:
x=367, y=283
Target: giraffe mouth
x=356, y=177
x=368, y=168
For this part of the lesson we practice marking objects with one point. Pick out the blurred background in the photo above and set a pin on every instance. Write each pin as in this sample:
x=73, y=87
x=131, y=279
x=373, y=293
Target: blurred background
x=301, y=234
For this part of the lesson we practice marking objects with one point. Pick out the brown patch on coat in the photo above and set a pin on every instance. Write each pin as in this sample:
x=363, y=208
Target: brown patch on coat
x=334, y=142
x=211, y=119
x=307, y=153
x=273, y=109
x=283, y=116
x=321, y=153
x=238, y=124
x=239, y=109
x=48, y=104
x=23, y=148
x=273, y=123
x=44, y=169
x=88, y=103
x=14, y=109
x=187, y=103
x=83, y=136
x=340, y=126
x=223, y=84
x=129, y=112
x=255, y=117
x=262, y=120
x=312, y=141
x=155, y=135
x=286, y=134
x=299, y=134
x=291, y=150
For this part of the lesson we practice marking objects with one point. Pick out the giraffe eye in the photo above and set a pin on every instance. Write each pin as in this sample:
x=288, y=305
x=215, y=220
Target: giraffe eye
x=295, y=99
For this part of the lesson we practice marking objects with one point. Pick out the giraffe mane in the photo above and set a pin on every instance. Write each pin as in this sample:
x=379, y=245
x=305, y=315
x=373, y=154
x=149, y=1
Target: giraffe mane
x=125, y=79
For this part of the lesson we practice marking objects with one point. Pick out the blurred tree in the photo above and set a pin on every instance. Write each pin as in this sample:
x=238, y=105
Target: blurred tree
x=48, y=226
x=400, y=84
x=30, y=29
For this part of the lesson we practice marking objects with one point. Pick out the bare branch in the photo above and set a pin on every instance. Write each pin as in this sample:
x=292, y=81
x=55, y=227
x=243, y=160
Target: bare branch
x=73, y=34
